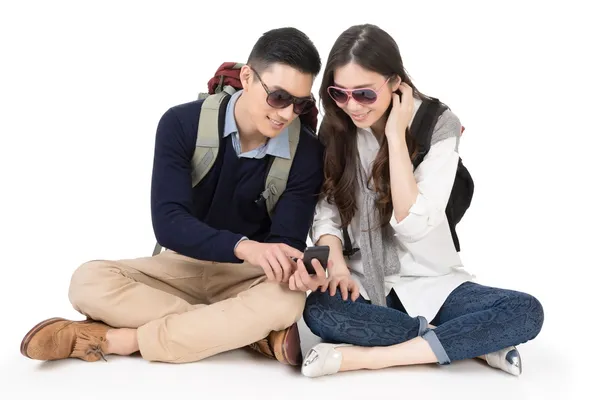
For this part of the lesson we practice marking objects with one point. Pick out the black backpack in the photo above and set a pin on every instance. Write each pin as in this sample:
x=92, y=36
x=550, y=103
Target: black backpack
x=462, y=190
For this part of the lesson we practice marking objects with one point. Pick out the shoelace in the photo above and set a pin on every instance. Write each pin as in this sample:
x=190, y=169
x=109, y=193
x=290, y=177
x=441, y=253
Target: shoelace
x=256, y=347
x=96, y=350
x=89, y=345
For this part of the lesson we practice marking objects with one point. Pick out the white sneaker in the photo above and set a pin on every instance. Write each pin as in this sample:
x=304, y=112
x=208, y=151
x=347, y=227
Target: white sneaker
x=323, y=359
x=508, y=360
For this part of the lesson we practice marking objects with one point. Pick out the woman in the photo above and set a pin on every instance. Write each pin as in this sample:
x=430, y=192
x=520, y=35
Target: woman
x=405, y=298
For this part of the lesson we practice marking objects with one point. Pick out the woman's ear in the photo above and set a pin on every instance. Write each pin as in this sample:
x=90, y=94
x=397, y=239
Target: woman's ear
x=396, y=81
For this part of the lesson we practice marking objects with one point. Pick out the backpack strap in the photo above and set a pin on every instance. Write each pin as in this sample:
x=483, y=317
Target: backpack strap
x=279, y=170
x=462, y=190
x=208, y=138
x=348, y=250
x=157, y=249
x=423, y=124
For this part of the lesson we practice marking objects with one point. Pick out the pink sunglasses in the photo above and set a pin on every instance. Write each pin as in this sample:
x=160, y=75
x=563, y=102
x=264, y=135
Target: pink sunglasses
x=361, y=95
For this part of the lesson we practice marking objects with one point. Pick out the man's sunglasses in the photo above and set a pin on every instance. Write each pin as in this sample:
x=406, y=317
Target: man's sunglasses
x=361, y=95
x=281, y=99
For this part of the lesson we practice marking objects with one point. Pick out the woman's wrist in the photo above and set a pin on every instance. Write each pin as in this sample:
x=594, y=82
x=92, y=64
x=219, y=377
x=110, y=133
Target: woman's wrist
x=397, y=143
x=338, y=269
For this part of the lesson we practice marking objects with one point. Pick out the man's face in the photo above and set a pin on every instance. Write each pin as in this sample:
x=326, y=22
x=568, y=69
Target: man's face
x=283, y=82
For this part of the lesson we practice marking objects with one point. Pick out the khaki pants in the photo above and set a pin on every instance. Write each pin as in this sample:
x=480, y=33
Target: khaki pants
x=185, y=310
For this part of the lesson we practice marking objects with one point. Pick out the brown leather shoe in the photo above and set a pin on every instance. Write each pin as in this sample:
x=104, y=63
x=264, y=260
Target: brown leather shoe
x=58, y=338
x=283, y=346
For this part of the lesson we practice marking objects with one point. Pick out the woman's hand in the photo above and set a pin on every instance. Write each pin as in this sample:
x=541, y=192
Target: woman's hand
x=302, y=281
x=400, y=115
x=346, y=284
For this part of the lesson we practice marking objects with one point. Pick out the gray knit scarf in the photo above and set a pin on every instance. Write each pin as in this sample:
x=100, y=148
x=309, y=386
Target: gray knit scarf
x=379, y=248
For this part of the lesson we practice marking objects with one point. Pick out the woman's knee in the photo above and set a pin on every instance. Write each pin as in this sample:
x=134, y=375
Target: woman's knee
x=530, y=311
x=318, y=301
x=318, y=309
x=535, y=316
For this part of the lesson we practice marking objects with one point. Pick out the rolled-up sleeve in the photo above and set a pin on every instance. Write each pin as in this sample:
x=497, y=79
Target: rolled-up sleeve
x=327, y=221
x=435, y=179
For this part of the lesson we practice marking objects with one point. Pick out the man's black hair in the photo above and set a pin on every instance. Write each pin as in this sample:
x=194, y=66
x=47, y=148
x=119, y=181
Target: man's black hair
x=288, y=46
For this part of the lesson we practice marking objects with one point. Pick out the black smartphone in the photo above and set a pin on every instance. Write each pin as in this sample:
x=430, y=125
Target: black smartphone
x=321, y=253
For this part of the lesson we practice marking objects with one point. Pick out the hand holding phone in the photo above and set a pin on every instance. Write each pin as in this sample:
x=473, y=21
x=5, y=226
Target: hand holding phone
x=305, y=277
x=321, y=253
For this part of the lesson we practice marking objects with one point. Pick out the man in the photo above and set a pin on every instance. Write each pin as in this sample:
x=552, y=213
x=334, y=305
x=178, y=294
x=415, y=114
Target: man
x=222, y=282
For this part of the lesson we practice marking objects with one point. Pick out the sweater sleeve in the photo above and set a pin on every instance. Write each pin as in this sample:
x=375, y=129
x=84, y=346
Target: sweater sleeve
x=175, y=227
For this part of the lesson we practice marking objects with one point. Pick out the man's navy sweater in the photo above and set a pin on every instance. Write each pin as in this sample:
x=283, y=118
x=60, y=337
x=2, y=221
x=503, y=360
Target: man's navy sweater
x=207, y=221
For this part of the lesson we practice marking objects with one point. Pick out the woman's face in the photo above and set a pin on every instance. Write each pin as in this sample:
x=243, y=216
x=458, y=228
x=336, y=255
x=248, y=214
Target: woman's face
x=363, y=95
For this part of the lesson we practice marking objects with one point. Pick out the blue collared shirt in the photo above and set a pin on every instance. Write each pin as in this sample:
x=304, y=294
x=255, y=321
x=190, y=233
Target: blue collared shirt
x=278, y=146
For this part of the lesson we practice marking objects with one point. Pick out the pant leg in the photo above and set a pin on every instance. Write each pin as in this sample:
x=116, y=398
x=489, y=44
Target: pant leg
x=131, y=293
x=162, y=296
x=477, y=320
x=359, y=323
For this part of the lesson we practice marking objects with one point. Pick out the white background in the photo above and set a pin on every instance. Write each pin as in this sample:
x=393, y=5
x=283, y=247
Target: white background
x=83, y=85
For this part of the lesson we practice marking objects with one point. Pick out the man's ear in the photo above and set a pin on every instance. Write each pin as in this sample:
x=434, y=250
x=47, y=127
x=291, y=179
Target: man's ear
x=245, y=76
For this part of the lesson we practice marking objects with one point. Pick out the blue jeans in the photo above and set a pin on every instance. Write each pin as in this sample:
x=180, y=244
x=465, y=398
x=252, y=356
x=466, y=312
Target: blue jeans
x=473, y=321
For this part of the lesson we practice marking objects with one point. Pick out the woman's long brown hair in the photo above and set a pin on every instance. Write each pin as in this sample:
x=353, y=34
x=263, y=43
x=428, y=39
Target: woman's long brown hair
x=375, y=50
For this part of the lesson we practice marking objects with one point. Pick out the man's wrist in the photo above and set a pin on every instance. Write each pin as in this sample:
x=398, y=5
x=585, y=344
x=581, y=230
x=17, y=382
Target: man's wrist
x=237, y=251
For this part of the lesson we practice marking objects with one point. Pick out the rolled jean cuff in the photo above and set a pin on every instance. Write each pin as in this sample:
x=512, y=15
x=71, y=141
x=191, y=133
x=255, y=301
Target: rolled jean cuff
x=423, y=325
x=436, y=347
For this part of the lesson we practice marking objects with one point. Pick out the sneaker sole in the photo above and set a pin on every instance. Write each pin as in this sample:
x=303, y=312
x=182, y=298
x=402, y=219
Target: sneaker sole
x=34, y=330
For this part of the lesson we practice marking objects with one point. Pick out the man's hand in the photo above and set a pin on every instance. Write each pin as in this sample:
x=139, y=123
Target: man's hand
x=274, y=258
x=303, y=282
